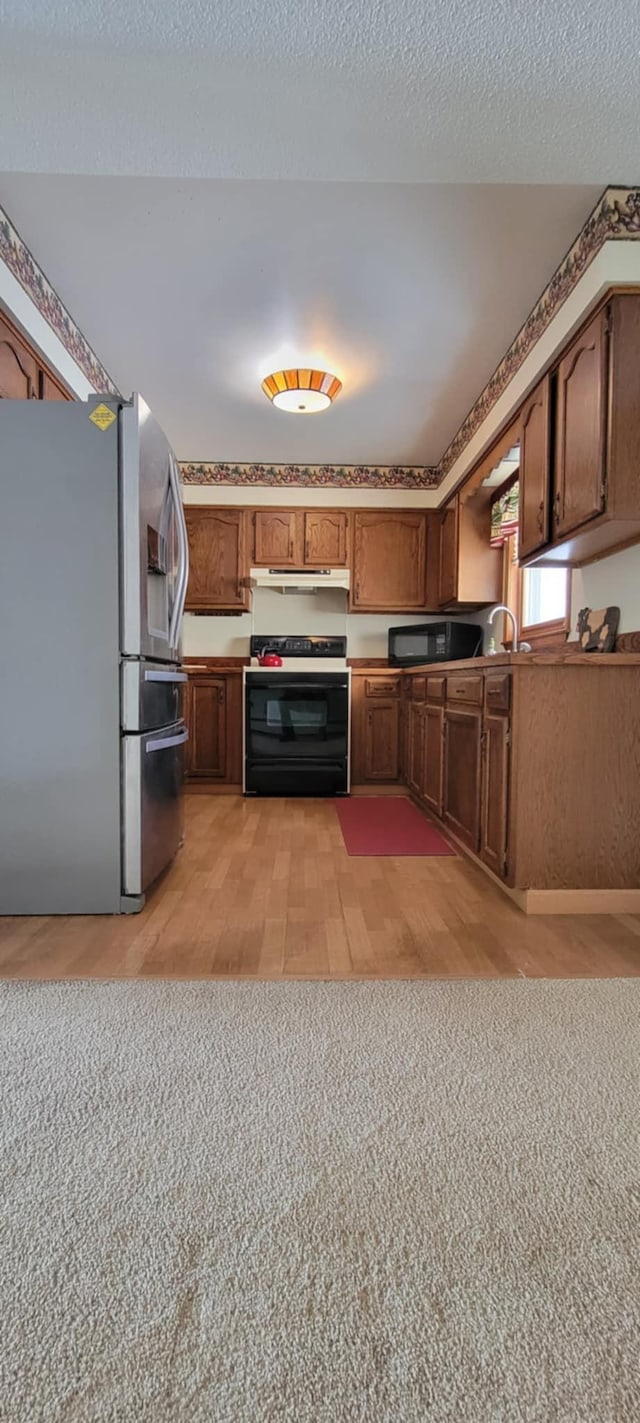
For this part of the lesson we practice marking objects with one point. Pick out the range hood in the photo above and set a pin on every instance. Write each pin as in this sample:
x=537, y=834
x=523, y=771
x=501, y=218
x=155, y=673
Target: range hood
x=299, y=580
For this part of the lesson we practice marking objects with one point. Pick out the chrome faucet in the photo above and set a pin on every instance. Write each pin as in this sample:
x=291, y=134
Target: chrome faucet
x=517, y=645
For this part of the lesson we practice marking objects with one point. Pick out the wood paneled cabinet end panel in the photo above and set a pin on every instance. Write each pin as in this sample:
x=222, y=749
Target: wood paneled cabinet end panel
x=300, y=538
x=218, y=566
x=389, y=565
x=213, y=713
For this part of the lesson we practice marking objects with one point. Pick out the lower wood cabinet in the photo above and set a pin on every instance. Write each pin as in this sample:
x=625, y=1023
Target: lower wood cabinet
x=494, y=804
x=462, y=765
x=376, y=713
x=213, y=713
x=381, y=741
x=433, y=770
x=415, y=748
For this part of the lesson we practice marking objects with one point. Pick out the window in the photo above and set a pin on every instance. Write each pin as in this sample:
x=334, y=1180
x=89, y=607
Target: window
x=544, y=596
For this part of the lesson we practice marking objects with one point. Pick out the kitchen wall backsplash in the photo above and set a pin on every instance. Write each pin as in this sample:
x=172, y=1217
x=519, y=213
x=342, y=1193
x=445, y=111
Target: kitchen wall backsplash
x=321, y=612
x=611, y=582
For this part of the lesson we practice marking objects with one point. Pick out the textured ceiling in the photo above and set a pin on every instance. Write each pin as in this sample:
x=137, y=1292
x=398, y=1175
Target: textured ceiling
x=393, y=91
x=192, y=291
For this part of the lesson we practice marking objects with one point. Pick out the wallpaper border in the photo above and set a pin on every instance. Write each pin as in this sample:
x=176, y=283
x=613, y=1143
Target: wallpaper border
x=23, y=266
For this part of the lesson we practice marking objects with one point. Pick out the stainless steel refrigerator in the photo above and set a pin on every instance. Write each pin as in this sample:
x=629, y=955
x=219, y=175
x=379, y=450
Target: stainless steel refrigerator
x=93, y=578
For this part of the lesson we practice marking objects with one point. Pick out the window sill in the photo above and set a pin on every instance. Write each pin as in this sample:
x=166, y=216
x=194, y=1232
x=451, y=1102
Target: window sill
x=545, y=636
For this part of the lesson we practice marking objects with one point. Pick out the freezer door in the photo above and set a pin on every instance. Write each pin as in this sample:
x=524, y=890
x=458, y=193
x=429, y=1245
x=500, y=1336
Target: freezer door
x=152, y=695
x=153, y=777
x=154, y=553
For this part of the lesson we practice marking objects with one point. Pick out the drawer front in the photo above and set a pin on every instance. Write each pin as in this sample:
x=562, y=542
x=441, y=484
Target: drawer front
x=418, y=689
x=497, y=692
x=382, y=686
x=436, y=687
x=465, y=689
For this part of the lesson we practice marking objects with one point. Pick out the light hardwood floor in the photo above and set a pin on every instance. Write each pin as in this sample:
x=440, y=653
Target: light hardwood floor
x=265, y=889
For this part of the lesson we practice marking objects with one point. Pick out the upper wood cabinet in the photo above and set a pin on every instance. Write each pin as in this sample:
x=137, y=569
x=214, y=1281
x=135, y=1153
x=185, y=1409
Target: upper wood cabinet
x=592, y=468
x=19, y=375
x=581, y=428
x=535, y=455
x=469, y=570
x=23, y=373
x=276, y=542
x=389, y=562
x=325, y=538
x=448, y=555
x=217, y=559
x=300, y=538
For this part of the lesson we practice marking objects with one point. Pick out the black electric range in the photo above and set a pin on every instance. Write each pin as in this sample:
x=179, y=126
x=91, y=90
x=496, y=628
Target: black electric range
x=296, y=718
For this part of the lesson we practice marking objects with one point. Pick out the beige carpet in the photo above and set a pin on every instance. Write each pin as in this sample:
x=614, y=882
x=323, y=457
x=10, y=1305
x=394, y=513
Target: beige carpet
x=360, y=1203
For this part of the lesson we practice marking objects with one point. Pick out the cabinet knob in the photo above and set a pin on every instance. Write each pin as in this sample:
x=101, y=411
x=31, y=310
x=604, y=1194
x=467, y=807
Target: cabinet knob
x=556, y=510
x=541, y=515
x=220, y=694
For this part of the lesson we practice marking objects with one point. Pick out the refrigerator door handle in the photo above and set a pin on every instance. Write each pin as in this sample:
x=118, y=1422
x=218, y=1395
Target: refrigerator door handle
x=164, y=742
x=183, y=544
x=165, y=676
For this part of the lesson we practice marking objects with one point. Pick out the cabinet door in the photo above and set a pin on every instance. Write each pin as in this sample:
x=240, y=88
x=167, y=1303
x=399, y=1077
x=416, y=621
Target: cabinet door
x=462, y=773
x=217, y=559
x=381, y=741
x=495, y=789
x=325, y=538
x=581, y=429
x=448, y=556
x=433, y=757
x=208, y=728
x=415, y=748
x=276, y=538
x=18, y=369
x=535, y=470
x=389, y=572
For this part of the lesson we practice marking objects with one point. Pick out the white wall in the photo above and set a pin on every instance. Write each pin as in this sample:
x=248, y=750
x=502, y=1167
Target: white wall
x=612, y=582
x=322, y=612
x=296, y=495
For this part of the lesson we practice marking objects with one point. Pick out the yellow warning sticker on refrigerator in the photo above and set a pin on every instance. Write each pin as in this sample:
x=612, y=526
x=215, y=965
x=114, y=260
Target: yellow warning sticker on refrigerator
x=103, y=417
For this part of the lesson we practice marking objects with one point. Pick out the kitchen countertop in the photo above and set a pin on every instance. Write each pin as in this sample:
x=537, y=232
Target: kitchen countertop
x=527, y=659
x=469, y=664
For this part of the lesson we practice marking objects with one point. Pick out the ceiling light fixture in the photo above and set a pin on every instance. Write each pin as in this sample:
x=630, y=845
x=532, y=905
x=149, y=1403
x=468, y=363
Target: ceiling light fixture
x=302, y=392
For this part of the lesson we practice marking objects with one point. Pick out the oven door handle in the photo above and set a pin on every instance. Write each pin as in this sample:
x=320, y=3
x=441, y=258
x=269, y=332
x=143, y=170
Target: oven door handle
x=282, y=686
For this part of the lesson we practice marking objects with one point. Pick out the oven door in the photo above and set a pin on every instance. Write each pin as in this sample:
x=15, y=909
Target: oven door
x=297, y=733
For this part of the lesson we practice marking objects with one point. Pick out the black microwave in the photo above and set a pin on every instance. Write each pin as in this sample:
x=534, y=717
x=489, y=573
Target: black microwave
x=433, y=642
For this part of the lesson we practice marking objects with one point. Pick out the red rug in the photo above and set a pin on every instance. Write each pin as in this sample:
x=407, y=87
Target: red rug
x=388, y=825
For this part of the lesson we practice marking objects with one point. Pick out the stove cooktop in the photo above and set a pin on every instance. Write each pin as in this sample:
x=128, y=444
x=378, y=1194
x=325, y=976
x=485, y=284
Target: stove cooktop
x=315, y=650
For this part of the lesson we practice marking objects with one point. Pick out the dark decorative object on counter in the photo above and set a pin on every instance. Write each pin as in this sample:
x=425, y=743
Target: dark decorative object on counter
x=597, y=629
